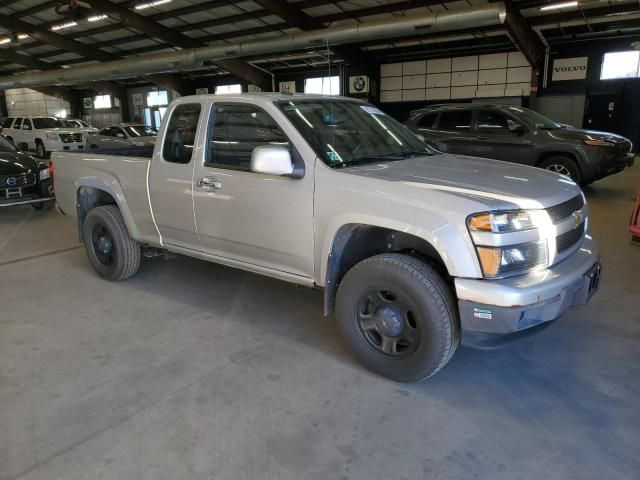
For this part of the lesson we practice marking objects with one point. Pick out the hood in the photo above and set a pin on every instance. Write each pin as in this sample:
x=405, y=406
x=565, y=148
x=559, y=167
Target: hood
x=571, y=133
x=144, y=141
x=495, y=183
x=13, y=163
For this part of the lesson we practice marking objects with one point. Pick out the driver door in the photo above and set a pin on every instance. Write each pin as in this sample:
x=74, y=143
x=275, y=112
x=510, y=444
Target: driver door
x=261, y=220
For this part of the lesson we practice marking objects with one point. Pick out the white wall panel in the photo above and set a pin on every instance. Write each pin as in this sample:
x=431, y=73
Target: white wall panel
x=460, y=64
x=494, y=76
x=517, y=59
x=485, y=91
x=391, y=70
x=519, y=75
x=414, y=68
x=435, y=80
x=463, y=92
x=438, y=94
x=459, y=79
x=439, y=66
x=413, y=95
x=391, y=96
x=391, y=83
x=413, y=81
x=517, y=89
x=493, y=60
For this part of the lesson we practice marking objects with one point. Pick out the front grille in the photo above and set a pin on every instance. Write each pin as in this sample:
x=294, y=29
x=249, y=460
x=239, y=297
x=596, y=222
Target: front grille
x=625, y=146
x=71, y=137
x=18, y=180
x=570, y=238
x=563, y=210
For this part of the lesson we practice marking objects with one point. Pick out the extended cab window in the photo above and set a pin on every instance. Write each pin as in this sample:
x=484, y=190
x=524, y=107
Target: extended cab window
x=181, y=133
x=236, y=131
x=455, y=120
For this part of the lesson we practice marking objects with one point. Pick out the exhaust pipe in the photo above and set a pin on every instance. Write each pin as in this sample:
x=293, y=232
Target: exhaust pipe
x=165, y=62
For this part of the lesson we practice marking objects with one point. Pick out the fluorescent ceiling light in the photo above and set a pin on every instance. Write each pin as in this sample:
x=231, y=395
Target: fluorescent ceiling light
x=22, y=36
x=142, y=6
x=64, y=25
x=97, y=18
x=556, y=6
x=5, y=40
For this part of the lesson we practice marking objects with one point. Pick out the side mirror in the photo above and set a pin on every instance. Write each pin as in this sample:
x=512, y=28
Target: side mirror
x=271, y=160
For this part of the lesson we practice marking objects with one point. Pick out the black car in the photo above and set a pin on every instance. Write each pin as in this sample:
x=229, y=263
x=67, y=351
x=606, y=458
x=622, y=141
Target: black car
x=520, y=135
x=23, y=179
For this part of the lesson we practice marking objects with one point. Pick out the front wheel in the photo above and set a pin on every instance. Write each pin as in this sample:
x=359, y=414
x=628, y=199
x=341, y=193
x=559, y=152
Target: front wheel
x=399, y=316
x=41, y=151
x=564, y=166
x=111, y=250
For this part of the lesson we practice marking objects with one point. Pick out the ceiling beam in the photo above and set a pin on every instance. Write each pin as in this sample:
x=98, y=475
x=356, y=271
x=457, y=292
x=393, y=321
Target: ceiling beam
x=523, y=35
x=90, y=52
x=171, y=37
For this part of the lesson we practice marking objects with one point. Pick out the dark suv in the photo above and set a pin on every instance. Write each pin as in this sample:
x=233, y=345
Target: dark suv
x=520, y=135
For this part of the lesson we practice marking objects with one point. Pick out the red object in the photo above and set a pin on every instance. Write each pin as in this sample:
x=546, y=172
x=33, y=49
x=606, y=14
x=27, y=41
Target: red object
x=634, y=228
x=51, y=175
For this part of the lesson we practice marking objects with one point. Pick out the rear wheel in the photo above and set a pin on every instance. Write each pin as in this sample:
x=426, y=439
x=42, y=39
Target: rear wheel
x=399, y=317
x=564, y=166
x=111, y=250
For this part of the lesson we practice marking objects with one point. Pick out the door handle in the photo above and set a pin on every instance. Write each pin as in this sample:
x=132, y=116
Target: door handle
x=209, y=184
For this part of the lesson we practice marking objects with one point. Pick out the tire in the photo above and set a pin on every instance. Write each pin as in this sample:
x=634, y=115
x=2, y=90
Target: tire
x=111, y=250
x=564, y=166
x=43, y=205
x=406, y=300
x=41, y=151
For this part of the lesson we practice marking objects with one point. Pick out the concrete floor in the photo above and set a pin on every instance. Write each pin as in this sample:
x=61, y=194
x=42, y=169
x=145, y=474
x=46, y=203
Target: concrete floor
x=195, y=371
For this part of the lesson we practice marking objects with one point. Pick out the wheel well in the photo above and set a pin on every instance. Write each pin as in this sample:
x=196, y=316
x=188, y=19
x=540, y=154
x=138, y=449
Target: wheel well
x=546, y=155
x=88, y=198
x=356, y=242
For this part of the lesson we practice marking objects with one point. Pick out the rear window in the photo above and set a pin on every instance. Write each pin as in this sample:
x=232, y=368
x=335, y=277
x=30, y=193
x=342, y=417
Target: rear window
x=455, y=120
x=7, y=123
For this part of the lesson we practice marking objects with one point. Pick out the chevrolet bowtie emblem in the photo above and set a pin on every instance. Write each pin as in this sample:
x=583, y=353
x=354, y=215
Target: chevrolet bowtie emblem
x=577, y=218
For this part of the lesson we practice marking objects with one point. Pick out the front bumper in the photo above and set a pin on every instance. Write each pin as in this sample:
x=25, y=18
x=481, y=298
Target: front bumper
x=64, y=147
x=494, y=312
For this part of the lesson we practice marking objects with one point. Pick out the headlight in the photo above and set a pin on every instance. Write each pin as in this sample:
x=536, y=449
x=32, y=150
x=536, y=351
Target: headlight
x=513, y=259
x=594, y=142
x=500, y=222
x=51, y=136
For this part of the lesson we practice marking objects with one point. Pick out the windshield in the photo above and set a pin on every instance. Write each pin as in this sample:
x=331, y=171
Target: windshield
x=534, y=118
x=345, y=133
x=140, y=131
x=49, y=122
x=6, y=145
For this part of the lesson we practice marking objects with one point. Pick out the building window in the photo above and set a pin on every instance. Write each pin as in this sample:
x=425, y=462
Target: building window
x=102, y=101
x=620, y=65
x=155, y=99
x=322, y=85
x=234, y=88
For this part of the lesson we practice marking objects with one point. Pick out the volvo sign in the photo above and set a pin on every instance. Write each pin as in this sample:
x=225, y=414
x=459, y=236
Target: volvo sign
x=569, y=69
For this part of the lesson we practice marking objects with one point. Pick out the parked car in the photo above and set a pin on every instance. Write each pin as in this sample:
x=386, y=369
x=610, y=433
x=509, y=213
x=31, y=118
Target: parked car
x=43, y=134
x=23, y=179
x=123, y=135
x=520, y=135
x=415, y=249
x=81, y=126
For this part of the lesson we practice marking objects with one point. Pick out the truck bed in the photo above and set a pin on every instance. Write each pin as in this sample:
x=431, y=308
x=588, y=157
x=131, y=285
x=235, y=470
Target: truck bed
x=124, y=177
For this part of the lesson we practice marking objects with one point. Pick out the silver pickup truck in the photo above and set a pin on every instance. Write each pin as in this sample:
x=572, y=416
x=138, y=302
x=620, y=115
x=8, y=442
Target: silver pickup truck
x=416, y=250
